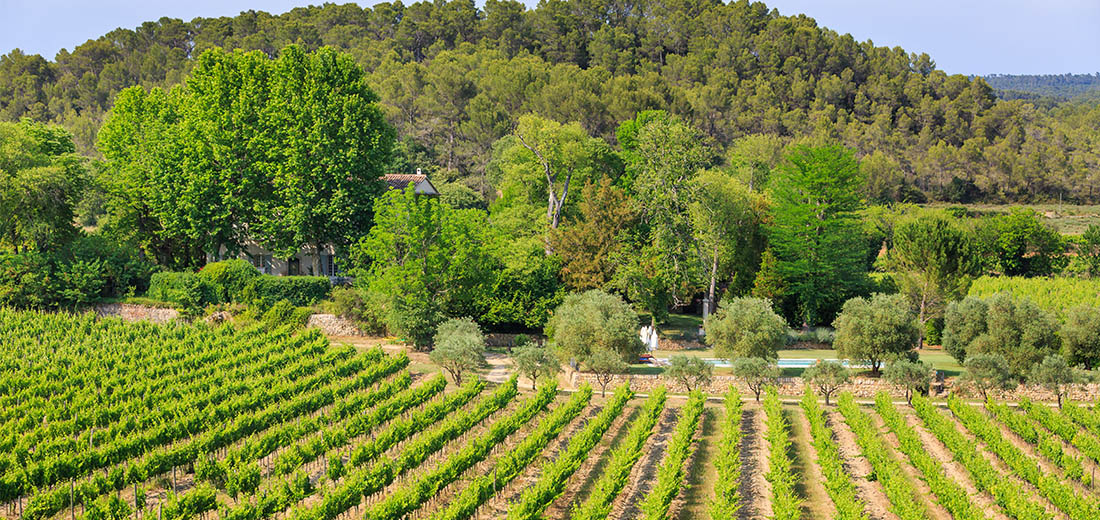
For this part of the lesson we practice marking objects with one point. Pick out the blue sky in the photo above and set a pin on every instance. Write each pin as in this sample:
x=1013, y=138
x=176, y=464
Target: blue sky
x=962, y=36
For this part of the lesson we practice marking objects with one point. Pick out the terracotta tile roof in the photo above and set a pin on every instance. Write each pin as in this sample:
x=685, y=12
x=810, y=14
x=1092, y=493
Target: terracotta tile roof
x=400, y=181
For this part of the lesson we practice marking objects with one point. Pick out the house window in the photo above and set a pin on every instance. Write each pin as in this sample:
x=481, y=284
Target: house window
x=294, y=266
x=328, y=265
x=262, y=263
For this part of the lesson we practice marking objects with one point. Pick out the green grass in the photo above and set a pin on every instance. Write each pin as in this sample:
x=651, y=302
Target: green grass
x=678, y=326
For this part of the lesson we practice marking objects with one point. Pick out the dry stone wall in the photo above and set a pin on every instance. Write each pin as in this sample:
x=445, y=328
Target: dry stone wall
x=861, y=387
x=334, y=325
x=131, y=312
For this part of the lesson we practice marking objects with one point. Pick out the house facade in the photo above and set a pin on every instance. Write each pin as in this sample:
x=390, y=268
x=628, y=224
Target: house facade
x=302, y=263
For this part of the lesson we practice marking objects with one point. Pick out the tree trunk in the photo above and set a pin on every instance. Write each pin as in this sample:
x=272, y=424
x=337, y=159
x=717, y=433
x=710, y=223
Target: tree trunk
x=317, y=260
x=713, y=277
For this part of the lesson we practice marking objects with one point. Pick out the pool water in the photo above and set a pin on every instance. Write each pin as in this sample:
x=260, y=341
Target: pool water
x=783, y=363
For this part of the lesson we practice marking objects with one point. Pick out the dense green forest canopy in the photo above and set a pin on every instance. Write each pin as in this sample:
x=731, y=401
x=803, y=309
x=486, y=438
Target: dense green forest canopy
x=1011, y=86
x=454, y=78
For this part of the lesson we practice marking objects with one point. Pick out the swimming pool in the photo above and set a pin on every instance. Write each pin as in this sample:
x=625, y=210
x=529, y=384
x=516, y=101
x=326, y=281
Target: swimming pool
x=783, y=363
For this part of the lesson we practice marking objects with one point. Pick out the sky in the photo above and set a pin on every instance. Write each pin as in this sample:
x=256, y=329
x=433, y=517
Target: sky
x=962, y=36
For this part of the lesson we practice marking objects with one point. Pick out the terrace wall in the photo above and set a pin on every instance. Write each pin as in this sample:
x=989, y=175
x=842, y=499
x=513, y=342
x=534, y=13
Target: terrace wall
x=861, y=387
x=131, y=312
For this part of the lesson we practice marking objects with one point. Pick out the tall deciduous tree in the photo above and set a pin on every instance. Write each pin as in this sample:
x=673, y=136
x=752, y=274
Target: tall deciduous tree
x=41, y=181
x=815, y=232
x=726, y=222
x=664, y=156
x=286, y=152
x=875, y=329
x=333, y=145
x=935, y=262
x=544, y=161
x=429, y=259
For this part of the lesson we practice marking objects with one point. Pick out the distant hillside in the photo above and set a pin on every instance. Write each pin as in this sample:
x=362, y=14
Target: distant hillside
x=1066, y=86
x=453, y=78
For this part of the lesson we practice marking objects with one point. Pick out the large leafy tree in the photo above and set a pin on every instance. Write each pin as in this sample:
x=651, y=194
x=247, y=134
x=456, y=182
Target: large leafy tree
x=815, y=232
x=140, y=144
x=664, y=155
x=41, y=181
x=332, y=146
x=934, y=261
x=540, y=166
x=428, y=259
x=875, y=329
x=589, y=244
x=726, y=219
x=285, y=151
x=1020, y=244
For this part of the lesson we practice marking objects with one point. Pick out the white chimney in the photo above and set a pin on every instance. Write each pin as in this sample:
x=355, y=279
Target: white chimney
x=418, y=171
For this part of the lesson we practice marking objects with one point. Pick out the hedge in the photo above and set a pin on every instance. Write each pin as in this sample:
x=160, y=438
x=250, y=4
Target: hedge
x=188, y=290
x=298, y=290
x=229, y=277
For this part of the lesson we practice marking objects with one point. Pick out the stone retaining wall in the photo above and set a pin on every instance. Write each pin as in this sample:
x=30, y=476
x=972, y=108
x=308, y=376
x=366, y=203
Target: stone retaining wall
x=334, y=325
x=861, y=387
x=131, y=312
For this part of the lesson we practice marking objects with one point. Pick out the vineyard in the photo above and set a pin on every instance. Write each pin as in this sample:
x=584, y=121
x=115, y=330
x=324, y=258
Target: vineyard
x=101, y=419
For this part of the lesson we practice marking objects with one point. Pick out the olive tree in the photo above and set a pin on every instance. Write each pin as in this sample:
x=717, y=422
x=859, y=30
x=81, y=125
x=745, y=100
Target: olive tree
x=1015, y=328
x=912, y=376
x=745, y=327
x=985, y=372
x=605, y=364
x=459, y=347
x=827, y=377
x=1055, y=374
x=594, y=321
x=691, y=371
x=874, y=329
x=756, y=373
x=534, y=361
x=1081, y=336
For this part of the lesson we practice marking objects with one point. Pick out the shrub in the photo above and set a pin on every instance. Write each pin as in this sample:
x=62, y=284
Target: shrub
x=185, y=289
x=285, y=313
x=298, y=290
x=229, y=278
x=365, y=308
x=1013, y=327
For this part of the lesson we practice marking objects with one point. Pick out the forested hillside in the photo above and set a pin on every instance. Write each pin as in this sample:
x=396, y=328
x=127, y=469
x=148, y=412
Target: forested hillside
x=454, y=78
x=1051, y=85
